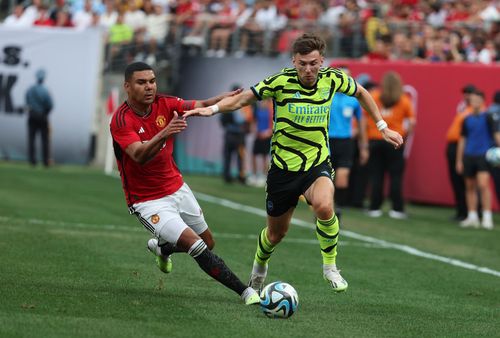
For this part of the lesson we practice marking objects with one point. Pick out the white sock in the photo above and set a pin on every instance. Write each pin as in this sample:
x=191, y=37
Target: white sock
x=487, y=215
x=259, y=269
x=472, y=215
x=197, y=248
x=327, y=267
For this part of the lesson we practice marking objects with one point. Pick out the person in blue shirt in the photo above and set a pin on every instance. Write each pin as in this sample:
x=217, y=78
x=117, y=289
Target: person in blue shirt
x=494, y=112
x=39, y=104
x=341, y=141
x=478, y=135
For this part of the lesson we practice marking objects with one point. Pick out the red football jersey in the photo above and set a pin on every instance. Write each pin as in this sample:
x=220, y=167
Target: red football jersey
x=160, y=176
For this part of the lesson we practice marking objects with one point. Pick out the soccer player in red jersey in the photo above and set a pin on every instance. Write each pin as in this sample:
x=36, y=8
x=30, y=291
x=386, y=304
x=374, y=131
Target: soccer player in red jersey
x=143, y=128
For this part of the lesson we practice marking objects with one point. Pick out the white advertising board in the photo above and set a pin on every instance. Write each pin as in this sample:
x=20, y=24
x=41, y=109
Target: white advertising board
x=72, y=61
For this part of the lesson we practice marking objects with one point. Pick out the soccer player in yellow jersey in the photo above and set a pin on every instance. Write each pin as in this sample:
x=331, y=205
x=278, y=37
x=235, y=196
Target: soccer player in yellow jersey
x=299, y=148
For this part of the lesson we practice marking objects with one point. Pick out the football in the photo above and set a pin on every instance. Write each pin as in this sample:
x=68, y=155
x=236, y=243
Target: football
x=493, y=156
x=279, y=300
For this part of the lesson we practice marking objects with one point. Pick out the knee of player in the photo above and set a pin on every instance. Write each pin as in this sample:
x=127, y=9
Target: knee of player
x=276, y=236
x=323, y=209
x=210, y=242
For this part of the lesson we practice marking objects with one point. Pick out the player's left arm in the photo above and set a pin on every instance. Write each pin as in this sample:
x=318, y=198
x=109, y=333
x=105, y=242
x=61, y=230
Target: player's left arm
x=367, y=102
x=213, y=100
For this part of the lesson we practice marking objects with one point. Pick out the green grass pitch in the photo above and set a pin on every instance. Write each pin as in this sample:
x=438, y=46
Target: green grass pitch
x=73, y=263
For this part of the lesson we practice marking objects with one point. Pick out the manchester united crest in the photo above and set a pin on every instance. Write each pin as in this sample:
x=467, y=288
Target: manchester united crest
x=161, y=121
x=155, y=219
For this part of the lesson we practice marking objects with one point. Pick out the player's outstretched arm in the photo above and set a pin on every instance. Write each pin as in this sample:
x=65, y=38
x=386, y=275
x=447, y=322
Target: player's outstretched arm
x=229, y=103
x=215, y=99
x=367, y=102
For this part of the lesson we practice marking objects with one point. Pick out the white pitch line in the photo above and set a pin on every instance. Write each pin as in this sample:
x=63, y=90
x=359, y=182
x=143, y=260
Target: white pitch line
x=405, y=248
x=140, y=229
x=74, y=225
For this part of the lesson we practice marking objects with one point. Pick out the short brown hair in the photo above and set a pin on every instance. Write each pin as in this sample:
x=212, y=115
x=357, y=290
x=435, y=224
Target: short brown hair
x=308, y=43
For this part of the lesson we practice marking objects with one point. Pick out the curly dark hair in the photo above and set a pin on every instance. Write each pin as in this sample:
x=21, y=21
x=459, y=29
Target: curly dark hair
x=308, y=43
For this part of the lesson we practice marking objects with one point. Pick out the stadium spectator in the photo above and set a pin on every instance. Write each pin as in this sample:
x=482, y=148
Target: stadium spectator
x=31, y=12
x=135, y=17
x=63, y=19
x=44, y=19
x=343, y=110
x=120, y=37
x=256, y=27
x=110, y=15
x=60, y=6
x=143, y=130
x=402, y=48
x=157, y=29
x=477, y=136
x=437, y=17
x=452, y=137
x=456, y=52
x=97, y=6
x=375, y=30
x=224, y=26
x=84, y=18
x=376, y=26
x=39, y=103
x=494, y=112
x=300, y=157
x=235, y=128
x=186, y=18
x=349, y=28
x=381, y=50
x=16, y=19
x=397, y=110
x=457, y=13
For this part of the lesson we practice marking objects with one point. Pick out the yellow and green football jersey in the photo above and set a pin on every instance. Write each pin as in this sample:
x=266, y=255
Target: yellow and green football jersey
x=302, y=115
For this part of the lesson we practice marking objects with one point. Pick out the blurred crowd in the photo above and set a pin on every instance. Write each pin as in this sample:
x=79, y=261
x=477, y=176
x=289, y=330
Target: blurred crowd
x=427, y=30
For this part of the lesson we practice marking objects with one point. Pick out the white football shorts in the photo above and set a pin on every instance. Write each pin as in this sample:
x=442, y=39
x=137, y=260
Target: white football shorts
x=169, y=216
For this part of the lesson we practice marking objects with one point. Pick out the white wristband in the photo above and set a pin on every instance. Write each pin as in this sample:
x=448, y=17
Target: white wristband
x=381, y=125
x=215, y=108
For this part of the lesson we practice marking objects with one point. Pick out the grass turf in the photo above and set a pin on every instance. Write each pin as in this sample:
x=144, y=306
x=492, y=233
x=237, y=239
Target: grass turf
x=74, y=263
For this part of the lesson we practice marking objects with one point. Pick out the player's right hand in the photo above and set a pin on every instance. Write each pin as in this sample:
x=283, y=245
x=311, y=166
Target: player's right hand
x=393, y=137
x=176, y=125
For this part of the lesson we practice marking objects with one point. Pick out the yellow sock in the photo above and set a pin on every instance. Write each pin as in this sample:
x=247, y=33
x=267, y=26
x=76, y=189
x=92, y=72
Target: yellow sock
x=264, y=248
x=327, y=232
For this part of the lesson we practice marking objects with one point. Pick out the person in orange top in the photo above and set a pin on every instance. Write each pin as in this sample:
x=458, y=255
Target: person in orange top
x=452, y=136
x=397, y=111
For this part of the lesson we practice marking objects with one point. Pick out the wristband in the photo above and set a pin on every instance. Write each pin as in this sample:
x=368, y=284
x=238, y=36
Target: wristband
x=381, y=125
x=215, y=108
